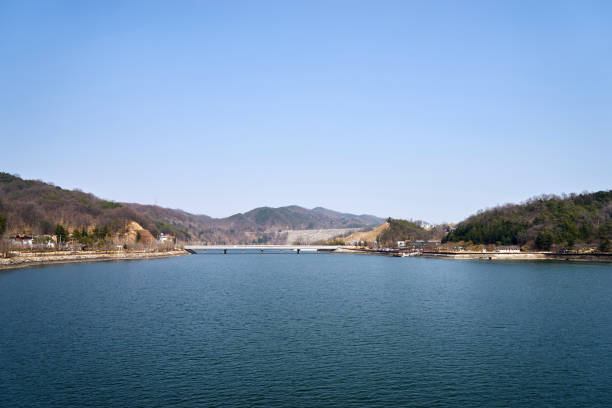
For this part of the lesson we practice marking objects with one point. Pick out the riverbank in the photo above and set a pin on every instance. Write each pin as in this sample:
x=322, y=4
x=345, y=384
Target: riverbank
x=520, y=256
x=489, y=256
x=32, y=259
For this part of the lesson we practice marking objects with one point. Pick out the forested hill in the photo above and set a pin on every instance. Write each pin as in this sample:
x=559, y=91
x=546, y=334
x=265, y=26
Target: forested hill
x=36, y=206
x=33, y=206
x=543, y=222
x=404, y=230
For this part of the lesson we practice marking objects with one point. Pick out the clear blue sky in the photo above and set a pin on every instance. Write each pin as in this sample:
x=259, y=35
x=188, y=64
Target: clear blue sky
x=427, y=110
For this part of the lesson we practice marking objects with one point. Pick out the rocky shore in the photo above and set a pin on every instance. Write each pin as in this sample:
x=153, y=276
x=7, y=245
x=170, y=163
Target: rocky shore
x=31, y=259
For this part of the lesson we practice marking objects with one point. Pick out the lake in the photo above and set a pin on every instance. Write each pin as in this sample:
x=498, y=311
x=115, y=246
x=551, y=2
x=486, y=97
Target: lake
x=308, y=330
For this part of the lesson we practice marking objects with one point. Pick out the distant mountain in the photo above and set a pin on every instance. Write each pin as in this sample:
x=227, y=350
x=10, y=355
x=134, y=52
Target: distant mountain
x=543, y=222
x=295, y=218
x=32, y=205
x=260, y=225
x=366, y=218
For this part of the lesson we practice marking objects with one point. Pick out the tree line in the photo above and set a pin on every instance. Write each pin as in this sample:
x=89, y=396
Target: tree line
x=543, y=223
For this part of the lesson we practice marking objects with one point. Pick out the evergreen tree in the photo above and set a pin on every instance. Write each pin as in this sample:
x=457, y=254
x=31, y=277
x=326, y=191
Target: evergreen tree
x=2, y=224
x=76, y=235
x=61, y=233
x=544, y=241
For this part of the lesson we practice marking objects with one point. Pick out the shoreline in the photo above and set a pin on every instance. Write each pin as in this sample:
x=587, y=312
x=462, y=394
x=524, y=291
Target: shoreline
x=52, y=258
x=22, y=261
x=520, y=256
x=493, y=256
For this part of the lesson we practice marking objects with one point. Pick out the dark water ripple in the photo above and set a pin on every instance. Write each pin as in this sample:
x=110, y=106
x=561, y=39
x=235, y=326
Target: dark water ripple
x=306, y=331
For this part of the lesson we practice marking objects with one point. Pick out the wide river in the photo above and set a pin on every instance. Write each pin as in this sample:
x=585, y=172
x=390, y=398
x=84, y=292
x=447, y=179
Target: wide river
x=306, y=331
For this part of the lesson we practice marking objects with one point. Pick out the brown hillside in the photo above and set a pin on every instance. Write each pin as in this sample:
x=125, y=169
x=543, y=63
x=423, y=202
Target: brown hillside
x=367, y=236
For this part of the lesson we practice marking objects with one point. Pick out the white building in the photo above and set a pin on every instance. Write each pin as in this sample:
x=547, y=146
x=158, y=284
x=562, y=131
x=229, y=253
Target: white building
x=509, y=249
x=165, y=238
x=22, y=239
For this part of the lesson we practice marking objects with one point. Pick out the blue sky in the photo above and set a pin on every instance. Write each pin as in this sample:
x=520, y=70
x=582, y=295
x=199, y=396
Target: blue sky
x=426, y=110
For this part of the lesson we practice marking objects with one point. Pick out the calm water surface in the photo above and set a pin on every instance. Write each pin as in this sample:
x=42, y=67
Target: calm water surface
x=306, y=330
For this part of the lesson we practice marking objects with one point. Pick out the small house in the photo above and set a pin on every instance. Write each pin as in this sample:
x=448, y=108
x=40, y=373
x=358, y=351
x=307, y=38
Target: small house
x=22, y=239
x=165, y=238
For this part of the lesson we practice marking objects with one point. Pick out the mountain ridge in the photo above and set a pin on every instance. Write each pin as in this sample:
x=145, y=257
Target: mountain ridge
x=38, y=206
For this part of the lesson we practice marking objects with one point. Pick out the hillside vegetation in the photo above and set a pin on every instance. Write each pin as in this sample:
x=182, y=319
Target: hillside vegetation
x=403, y=230
x=543, y=222
x=38, y=207
x=35, y=206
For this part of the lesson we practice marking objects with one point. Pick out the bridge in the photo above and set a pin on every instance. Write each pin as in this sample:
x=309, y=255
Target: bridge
x=261, y=248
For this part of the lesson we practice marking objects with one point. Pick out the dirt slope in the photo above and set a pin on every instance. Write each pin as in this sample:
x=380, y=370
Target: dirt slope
x=367, y=236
